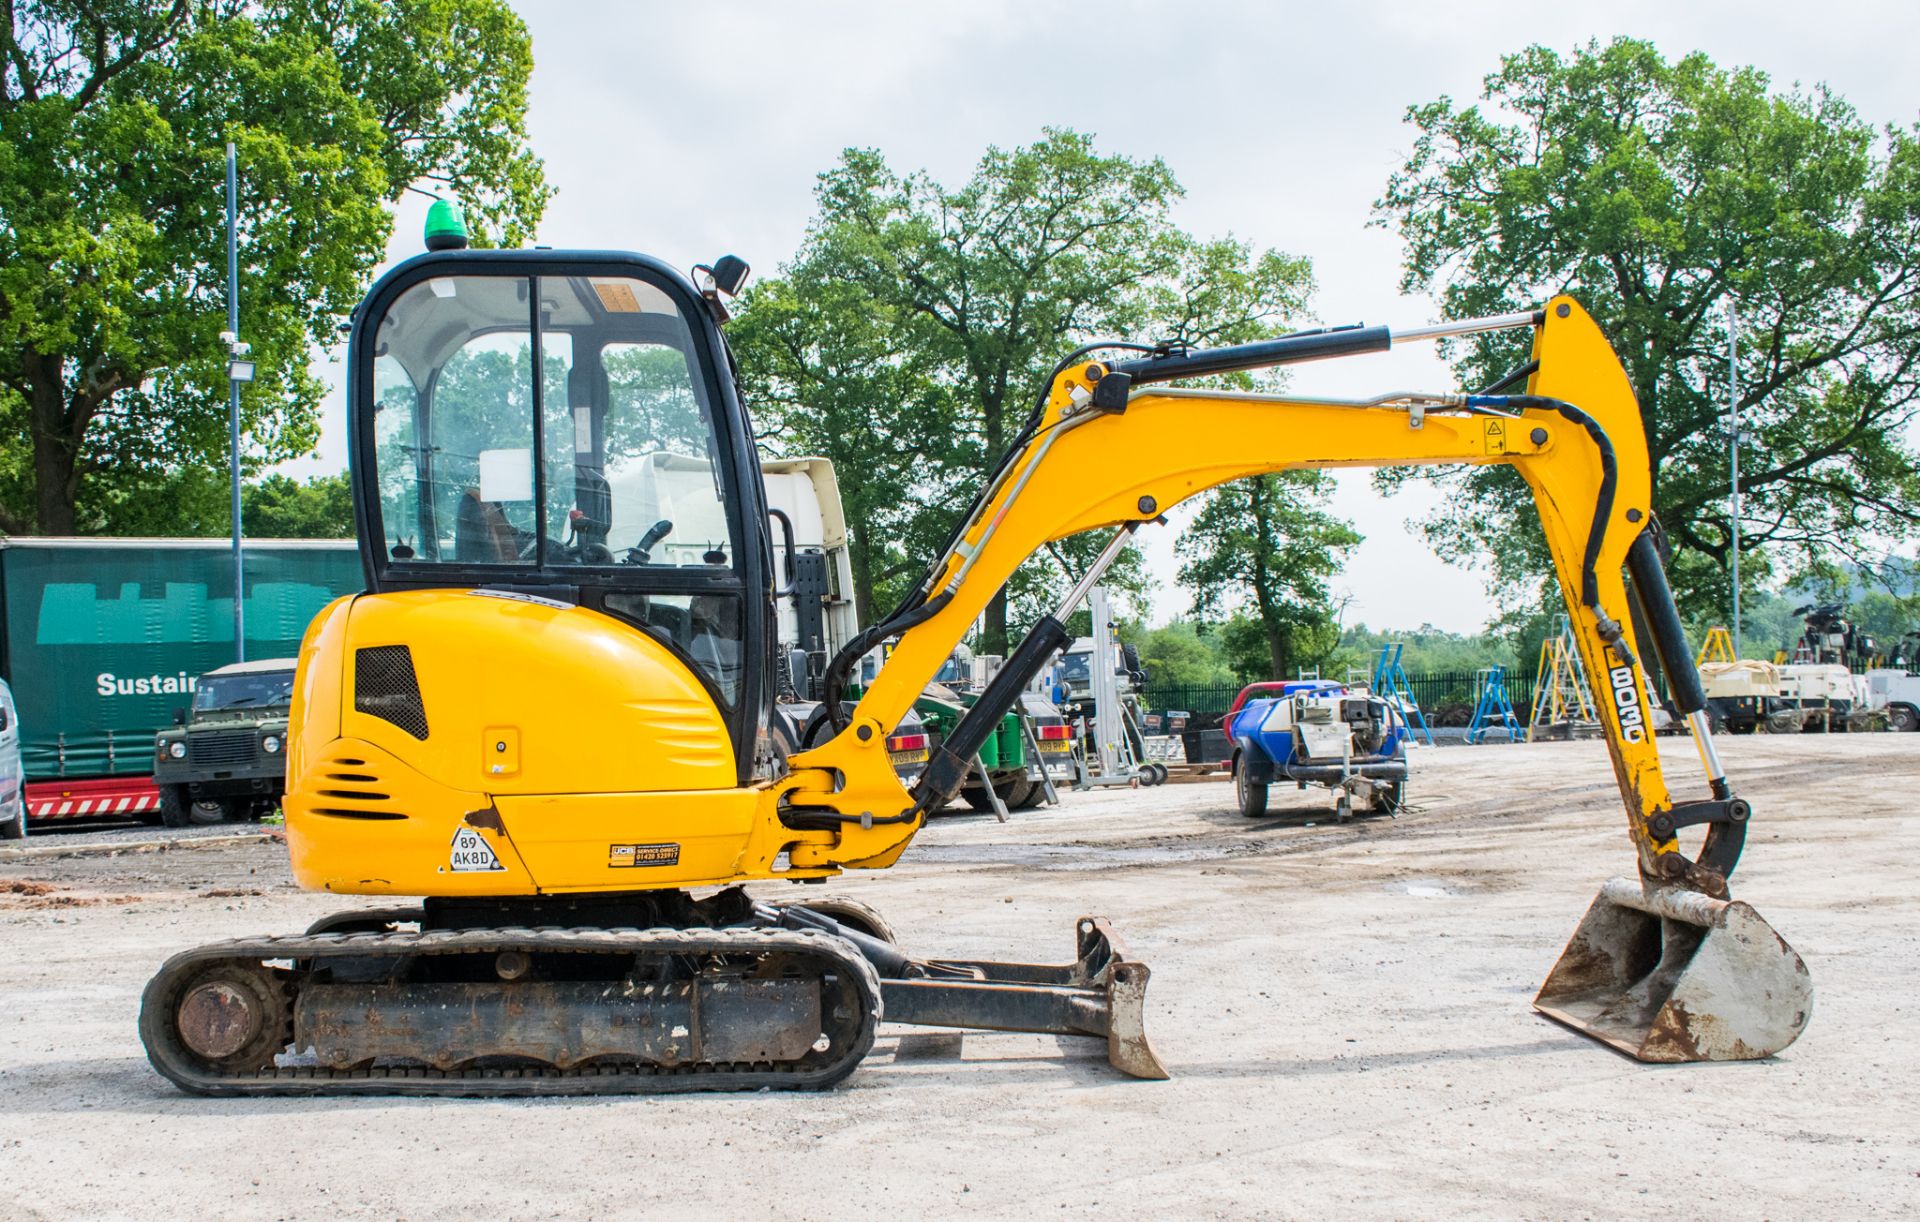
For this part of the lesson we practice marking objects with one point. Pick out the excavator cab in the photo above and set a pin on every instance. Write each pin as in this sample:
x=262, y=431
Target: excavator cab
x=566, y=426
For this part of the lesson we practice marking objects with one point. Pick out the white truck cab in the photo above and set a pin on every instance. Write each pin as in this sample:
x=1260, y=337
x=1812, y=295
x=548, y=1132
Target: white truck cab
x=1898, y=692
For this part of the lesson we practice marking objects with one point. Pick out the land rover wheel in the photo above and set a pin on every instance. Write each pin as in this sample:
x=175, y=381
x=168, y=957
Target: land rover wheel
x=179, y=810
x=1011, y=793
x=1903, y=717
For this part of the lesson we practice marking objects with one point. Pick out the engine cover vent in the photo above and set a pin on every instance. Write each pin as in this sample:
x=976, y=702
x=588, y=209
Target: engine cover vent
x=384, y=686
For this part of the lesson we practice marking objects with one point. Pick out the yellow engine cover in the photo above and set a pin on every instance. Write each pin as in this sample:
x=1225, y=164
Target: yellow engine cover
x=452, y=742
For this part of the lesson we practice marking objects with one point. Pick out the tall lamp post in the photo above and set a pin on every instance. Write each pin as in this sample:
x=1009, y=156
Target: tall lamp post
x=239, y=370
x=1733, y=452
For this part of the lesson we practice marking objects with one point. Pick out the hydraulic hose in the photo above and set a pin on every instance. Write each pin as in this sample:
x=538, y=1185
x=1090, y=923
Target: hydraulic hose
x=1609, y=478
x=834, y=683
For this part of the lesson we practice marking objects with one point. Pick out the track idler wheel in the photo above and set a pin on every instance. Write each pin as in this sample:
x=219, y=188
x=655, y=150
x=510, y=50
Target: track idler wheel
x=231, y=1017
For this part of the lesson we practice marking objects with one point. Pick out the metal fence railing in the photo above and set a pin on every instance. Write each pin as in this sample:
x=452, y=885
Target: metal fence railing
x=1201, y=700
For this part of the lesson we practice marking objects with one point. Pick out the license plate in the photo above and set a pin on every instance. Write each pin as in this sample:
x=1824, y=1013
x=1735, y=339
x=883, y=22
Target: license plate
x=1054, y=746
x=908, y=757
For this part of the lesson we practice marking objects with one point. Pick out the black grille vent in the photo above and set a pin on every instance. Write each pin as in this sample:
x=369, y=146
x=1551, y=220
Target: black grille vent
x=384, y=687
x=220, y=748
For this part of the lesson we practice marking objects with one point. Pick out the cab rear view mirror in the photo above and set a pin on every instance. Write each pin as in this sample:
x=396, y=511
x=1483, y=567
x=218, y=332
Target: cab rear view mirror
x=729, y=274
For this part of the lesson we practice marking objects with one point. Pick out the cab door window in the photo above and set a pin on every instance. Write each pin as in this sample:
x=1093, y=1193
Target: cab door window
x=630, y=449
x=453, y=423
x=559, y=430
x=482, y=442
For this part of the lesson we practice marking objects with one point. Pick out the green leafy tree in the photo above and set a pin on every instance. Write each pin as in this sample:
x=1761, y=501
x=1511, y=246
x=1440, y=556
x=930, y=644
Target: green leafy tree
x=824, y=378
x=195, y=502
x=949, y=305
x=1266, y=546
x=281, y=507
x=1427, y=649
x=1886, y=617
x=1243, y=645
x=1658, y=192
x=114, y=116
x=1767, y=624
x=1184, y=653
x=187, y=502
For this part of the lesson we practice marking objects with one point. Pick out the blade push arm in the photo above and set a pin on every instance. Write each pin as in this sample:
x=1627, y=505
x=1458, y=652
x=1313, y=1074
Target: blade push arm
x=1112, y=450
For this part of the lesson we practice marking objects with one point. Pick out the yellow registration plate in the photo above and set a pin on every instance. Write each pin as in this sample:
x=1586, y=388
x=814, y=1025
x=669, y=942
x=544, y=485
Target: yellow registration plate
x=1054, y=746
x=908, y=757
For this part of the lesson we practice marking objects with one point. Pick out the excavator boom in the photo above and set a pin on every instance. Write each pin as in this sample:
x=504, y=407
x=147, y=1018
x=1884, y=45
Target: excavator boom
x=1118, y=456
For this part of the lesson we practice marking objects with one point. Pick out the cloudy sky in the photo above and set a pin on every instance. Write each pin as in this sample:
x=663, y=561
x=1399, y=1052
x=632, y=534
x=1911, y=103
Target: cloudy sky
x=687, y=130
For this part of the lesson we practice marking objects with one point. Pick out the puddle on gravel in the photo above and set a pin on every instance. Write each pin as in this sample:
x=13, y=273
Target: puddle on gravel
x=1421, y=889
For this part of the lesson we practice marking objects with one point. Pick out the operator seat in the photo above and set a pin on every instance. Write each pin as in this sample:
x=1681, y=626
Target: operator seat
x=481, y=533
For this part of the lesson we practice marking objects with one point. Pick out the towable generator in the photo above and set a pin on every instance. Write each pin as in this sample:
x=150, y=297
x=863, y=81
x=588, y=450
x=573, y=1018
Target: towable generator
x=555, y=712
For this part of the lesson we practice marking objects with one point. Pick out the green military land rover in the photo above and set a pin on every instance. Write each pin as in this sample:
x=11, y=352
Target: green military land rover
x=226, y=760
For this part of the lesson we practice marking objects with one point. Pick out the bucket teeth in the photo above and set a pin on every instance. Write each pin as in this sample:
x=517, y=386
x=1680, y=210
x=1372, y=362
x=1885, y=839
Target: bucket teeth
x=1669, y=975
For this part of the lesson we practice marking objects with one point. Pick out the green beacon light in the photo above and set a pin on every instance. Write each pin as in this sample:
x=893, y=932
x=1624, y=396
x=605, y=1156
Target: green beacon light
x=446, y=228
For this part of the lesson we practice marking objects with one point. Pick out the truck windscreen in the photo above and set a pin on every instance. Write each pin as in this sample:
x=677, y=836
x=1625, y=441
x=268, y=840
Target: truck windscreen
x=244, y=691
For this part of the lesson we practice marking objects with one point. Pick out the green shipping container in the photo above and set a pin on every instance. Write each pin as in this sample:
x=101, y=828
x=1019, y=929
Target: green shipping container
x=102, y=639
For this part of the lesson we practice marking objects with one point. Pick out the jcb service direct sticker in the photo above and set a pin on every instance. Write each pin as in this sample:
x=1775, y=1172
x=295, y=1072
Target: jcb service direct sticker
x=632, y=856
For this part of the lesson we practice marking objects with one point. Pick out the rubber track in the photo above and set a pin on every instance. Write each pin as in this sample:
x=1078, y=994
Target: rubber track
x=164, y=1050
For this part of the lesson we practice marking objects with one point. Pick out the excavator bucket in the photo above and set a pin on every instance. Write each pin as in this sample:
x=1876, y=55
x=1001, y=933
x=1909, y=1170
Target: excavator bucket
x=1670, y=975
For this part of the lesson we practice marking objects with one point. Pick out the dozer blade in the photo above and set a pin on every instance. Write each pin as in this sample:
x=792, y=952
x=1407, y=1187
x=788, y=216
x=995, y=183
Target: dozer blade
x=1102, y=993
x=1670, y=975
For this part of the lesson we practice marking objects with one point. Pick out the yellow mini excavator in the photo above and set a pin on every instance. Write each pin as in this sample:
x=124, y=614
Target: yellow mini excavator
x=553, y=713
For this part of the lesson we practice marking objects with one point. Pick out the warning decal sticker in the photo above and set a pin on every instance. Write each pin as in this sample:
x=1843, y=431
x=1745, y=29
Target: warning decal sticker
x=471, y=853
x=1496, y=437
x=632, y=856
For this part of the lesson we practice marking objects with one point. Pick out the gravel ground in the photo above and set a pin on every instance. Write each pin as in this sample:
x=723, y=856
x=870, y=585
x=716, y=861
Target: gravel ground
x=1344, y=1009
x=47, y=833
